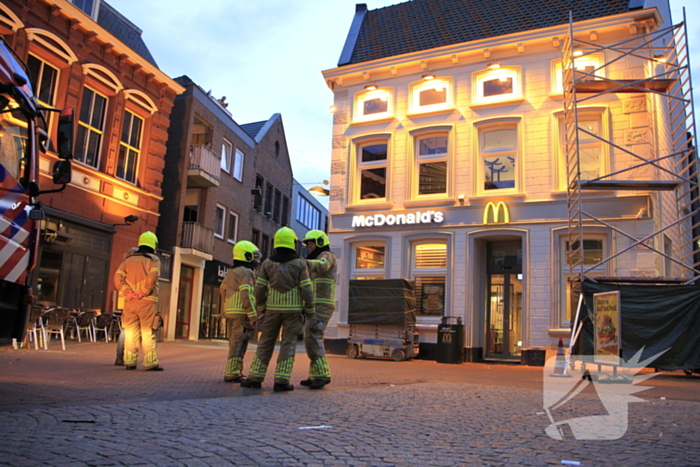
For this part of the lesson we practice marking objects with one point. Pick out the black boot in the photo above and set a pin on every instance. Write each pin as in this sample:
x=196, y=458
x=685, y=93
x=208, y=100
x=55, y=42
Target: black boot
x=279, y=387
x=319, y=384
x=306, y=382
x=155, y=368
x=128, y=367
x=119, y=362
x=251, y=384
x=234, y=379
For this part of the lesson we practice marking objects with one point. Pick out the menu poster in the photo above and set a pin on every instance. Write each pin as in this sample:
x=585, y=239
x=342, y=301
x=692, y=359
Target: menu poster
x=607, y=340
x=433, y=299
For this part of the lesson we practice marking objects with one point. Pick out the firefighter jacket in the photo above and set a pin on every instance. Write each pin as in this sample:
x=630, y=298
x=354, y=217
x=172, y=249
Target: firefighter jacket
x=237, y=292
x=323, y=270
x=284, y=287
x=139, y=272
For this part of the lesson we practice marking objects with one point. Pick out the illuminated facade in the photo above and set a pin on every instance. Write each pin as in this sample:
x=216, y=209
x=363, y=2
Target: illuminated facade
x=449, y=166
x=87, y=56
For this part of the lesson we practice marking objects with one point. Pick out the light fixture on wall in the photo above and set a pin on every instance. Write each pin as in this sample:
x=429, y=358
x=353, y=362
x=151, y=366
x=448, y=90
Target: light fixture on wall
x=371, y=87
x=661, y=58
x=319, y=190
x=493, y=66
x=428, y=77
x=332, y=109
x=128, y=220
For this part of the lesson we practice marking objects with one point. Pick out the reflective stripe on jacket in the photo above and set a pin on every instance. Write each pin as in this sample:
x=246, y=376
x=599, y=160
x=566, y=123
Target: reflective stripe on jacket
x=323, y=270
x=237, y=292
x=139, y=273
x=284, y=287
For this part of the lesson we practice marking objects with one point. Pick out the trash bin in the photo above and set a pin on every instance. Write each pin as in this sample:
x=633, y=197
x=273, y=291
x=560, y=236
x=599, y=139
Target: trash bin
x=450, y=341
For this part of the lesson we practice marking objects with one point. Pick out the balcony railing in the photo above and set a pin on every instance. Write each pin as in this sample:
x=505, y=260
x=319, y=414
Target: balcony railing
x=204, y=167
x=197, y=237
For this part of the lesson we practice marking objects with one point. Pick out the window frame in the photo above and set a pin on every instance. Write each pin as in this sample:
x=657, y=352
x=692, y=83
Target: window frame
x=220, y=233
x=418, y=160
x=557, y=78
x=89, y=128
x=138, y=150
x=232, y=224
x=440, y=273
x=370, y=94
x=479, y=78
x=226, y=152
x=237, y=170
x=603, y=113
x=417, y=88
x=360, y=166
x=480, y=129
x=368, y=273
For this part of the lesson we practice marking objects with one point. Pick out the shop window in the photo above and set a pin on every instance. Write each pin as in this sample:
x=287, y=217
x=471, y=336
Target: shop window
x=129, y=147
x=91, y=125
x=369, y=260
x=219, y=221
x=590, y=64
x=372, y=170
x=431, y=95
x=226, y=151
x=498, y=166
x=431, y=165
x=373, y=104
x=429, y=270
x=238, y=165
x=497, y=85
x=593, y=153
x=232, y=227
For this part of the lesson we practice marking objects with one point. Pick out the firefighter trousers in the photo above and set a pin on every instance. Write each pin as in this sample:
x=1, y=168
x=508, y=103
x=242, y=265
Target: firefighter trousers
x=313, y=342
x=138, y=321
x=238, y=330
x=291, y=325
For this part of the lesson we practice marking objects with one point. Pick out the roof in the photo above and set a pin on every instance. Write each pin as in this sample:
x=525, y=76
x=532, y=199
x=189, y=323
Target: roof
x=124, y=30
x=426, y=24
x=253, y=128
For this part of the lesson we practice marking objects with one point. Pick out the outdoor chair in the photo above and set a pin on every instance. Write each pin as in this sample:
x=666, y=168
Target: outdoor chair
x=55, y=320
x=103, y=323
x=85, y=322
x=35, y=325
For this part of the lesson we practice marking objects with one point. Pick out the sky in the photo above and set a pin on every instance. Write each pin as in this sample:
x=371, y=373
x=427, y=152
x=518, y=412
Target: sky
x=266, y=57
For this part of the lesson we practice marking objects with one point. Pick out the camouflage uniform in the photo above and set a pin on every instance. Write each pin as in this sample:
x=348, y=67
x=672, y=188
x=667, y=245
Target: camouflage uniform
x=239, y=310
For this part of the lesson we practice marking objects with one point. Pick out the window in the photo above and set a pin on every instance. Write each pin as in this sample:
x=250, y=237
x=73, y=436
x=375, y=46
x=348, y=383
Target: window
x=265, y=247
x=307, y=214
x=592, y=151
x=431, y=95
x=268, y=200
x=90, y=127
x=285, y=211
x=372, y=170
x=238, y=165
x=255, y=238
x=89, y=7
x=431, y=164
x=373, y=104
x=44, y=79
x=232, y=227
x=226, y=150
x=257, y=201
x=129, y=147
x=429, y=270
x=276, y=209
x=588, y=64
x=492, y=86
x=594, y=251
x=498, y=155
x=219, y=221
x=369, y=260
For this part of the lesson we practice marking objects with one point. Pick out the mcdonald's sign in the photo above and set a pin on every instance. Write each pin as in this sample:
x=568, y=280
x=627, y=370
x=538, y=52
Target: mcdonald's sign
x=496, y=213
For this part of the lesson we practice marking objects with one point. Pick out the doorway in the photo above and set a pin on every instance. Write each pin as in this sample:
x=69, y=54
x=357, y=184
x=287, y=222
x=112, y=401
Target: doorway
x=504, y=301
x=184, y=302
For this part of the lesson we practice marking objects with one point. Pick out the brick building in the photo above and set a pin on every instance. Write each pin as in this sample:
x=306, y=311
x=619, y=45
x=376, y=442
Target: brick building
x=213, y=166
x=89, y=57
x=457, y=158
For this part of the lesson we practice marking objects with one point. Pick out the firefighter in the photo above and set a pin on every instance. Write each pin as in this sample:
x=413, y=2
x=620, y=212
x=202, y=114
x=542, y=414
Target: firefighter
x=239, y=307
x=283, y=294
x=322, y=269
x=137, y=279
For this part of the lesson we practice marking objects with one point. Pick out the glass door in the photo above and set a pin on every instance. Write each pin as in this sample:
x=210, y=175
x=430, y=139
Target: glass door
x=184, y=303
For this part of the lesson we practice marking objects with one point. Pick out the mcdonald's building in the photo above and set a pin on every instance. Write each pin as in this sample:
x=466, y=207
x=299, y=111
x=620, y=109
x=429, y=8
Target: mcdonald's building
x=449, y=166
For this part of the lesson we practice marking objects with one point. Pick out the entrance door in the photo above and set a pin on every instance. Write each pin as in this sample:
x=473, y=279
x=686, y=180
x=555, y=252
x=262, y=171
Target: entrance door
x=504, y=301
x=184, y=303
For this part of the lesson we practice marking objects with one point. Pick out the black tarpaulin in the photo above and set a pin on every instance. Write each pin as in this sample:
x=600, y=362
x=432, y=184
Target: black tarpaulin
x=382, y=301
x=653, y=317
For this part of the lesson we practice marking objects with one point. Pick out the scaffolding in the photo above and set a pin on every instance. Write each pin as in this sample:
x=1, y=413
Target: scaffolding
x=665, y=168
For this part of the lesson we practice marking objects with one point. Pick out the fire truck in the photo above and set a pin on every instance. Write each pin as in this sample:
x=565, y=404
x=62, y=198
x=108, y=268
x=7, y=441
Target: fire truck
x=23, y=137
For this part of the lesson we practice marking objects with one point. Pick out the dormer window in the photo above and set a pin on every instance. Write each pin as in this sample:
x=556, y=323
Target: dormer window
x=497, y=85
x=431, y=95
x=89, y=7
x=373, y=104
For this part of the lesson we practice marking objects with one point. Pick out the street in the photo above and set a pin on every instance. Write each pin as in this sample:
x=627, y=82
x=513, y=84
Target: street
x=75, y=408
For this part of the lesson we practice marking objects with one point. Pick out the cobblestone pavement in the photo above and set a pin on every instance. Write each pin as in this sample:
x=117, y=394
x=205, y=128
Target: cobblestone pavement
x=74, y=408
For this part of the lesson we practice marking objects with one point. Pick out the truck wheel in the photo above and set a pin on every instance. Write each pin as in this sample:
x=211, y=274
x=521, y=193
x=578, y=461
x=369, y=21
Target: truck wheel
x=352, y=351
x=398, y=355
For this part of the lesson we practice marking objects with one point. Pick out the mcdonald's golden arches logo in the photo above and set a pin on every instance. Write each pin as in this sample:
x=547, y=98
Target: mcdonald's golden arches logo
x=496, y=213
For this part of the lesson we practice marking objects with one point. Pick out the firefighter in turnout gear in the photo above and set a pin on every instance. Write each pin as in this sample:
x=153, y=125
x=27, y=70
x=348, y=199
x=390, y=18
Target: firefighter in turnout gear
x=137, y=279
x=322, y=269
x=283, y=294
x=239, y=307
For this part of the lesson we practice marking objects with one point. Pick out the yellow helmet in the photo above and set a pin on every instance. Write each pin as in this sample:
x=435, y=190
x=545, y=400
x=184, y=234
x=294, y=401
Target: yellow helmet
x=318, y=236
x=148, y=239
x=246, y=251
x=285, y=238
